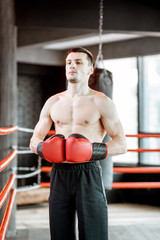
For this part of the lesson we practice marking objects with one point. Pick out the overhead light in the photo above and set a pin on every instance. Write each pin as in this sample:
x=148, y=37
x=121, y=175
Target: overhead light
x=88, y=40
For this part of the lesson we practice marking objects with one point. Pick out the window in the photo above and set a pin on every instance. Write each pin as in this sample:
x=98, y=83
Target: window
x=125, y=80
x=149, y=102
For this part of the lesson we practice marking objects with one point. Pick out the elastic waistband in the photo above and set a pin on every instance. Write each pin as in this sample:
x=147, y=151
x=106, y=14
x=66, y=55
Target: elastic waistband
x=75, y=166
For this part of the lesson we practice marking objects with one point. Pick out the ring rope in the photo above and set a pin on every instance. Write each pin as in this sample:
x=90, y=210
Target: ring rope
x=10, y=157
x=8, y=130
x=23, y=168
x=136, y=169
x=45, y=184
x=143, y=150
x=51, y=132
x=144, y=135
x=122, y=169
x=22, y=150
x=5, y=191
x=7, y=215
x=46, y=169
x=27, y=188
x=122, y=184
x=28, y=175
x=28, y=130
x=136, y=185
x=4, y=163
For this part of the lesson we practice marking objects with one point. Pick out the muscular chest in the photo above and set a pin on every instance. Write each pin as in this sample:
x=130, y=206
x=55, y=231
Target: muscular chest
x=79, y=111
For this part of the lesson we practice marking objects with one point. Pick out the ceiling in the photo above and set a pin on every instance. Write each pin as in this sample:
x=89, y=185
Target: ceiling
x=60, y=25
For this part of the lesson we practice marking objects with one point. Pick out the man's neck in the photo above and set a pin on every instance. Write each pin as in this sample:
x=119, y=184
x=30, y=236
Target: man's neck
x=77, y=89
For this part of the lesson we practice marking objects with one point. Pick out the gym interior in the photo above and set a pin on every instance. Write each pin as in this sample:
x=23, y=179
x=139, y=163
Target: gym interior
x=124, y=37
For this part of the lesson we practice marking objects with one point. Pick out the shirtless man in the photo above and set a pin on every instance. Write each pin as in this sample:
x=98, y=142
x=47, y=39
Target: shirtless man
x=81, y=117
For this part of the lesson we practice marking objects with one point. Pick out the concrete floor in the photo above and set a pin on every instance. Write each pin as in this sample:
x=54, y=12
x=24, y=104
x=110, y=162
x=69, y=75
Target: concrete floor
x=126, y=222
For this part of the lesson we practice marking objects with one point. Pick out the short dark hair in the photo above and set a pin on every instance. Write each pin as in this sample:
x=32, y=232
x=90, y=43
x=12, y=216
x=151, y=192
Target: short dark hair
x=83, y=50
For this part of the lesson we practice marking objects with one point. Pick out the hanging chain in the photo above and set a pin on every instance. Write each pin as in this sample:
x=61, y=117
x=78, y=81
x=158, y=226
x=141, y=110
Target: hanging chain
x=100, y=25
x=100, y=55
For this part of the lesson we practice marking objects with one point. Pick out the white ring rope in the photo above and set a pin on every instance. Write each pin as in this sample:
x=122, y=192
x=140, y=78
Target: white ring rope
x=29, y=130
x=22, y=150
x=27, y=188
x=24, y=168
x=28, y=175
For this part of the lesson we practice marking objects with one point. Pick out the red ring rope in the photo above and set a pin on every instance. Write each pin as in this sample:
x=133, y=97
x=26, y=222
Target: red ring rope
x=143, y=135
x=46, y=169
x=7, y=214
x=122, y=184
x=4, y=193
x=143, y=150
x=51, y=132
x=126, y=170
x=4, y=163
x=136, y=185
x=122, y=169
x=136, y=169
x=8, y=130
x=45, y=184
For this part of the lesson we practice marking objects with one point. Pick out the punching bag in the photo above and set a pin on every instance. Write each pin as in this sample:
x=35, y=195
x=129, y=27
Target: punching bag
x=101, y=80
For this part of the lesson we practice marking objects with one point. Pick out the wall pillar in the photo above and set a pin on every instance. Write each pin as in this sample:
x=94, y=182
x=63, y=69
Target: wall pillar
x=8, y=95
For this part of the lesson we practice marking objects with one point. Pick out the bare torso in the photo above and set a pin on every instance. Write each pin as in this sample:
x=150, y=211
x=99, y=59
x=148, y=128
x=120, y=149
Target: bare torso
x=77, y=114
x=80, y=110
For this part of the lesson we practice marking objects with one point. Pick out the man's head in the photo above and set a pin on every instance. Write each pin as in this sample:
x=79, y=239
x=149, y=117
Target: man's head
x=89, y=55
x=79, y=65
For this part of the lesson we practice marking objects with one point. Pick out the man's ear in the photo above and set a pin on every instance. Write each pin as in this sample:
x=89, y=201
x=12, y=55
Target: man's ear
x=91, y=69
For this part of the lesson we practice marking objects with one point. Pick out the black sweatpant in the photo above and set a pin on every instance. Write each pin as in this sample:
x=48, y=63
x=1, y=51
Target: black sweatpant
x=77, y=188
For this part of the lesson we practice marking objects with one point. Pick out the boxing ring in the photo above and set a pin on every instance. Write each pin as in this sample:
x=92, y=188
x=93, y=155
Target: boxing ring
x=115, y=169
x=131, y=170
x=8, y=188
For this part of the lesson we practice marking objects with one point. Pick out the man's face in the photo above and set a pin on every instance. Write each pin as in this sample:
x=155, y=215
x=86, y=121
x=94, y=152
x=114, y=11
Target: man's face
x=77, y=67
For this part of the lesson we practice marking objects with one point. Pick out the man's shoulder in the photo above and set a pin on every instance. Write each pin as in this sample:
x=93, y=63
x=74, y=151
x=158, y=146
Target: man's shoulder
x=100, y=97
x=103, y=102
x=56, y=97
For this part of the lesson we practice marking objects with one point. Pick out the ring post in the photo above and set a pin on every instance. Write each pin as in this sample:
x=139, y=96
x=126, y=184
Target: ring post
x=8, y=94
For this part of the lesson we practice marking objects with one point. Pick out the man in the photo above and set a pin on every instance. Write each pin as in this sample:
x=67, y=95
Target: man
x=81, y=117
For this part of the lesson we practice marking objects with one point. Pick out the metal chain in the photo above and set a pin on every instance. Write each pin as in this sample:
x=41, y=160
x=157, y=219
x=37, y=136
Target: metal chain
x=100, y=25
x=100, y=55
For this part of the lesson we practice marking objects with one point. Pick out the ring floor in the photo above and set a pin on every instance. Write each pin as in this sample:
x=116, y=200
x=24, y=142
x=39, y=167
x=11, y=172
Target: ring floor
x=126, y=222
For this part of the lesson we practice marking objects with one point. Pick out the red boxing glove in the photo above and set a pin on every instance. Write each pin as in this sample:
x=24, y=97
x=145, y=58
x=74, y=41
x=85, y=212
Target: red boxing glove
x=52, y=149
x=80, y=149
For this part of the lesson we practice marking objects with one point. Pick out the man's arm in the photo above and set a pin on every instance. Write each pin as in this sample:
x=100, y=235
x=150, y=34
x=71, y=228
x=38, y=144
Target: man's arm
x=112, y=125
x=80, y=149
x=42, y=127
